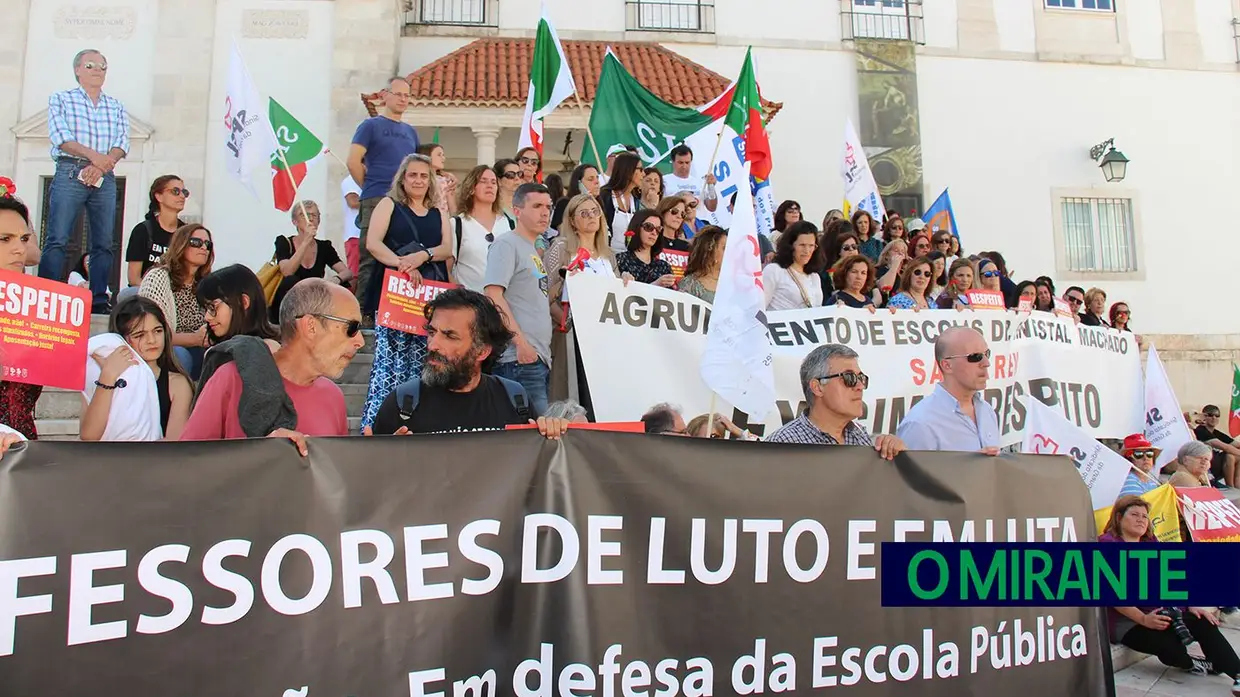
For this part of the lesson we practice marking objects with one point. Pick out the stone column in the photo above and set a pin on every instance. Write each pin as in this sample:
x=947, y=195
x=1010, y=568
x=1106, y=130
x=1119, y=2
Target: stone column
x=13, y=32
x=485, y=138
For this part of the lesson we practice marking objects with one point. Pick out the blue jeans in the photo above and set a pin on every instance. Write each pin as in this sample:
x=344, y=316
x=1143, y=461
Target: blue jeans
x=534, y=377
x=190, y=359
x=67, y=198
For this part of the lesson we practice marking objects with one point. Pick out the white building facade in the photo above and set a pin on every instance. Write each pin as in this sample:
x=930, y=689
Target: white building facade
x=1011, y=97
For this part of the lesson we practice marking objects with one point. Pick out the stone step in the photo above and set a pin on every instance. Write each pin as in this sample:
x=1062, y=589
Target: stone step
x=67, y=429
x=57, y=404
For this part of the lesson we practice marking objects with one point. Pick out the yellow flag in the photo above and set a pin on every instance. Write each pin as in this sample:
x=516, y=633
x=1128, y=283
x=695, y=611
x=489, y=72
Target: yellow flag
x=1164, y=514
x=847, y=208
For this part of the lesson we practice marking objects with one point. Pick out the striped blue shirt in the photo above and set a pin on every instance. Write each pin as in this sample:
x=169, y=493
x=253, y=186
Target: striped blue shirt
x=73, y=117
x=1137, y=485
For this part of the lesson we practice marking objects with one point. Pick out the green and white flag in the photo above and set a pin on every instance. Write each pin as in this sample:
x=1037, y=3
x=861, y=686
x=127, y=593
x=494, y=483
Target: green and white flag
x=551, y=82
x=298, y=148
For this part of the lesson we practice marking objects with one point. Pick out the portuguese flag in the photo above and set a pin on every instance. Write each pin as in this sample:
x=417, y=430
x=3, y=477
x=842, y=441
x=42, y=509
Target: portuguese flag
x=551, y=83
x=299, y=148
x=745, y=118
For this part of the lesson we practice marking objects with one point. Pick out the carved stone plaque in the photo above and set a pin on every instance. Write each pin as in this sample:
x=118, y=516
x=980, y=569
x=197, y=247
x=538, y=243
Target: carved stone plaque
x=87, y=22
x=275, y=24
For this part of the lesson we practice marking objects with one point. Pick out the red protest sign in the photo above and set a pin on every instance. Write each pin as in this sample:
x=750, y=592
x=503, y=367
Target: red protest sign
x=1025, y=305
x=44, y=328
x=985, y=299
x=1212, y=517
x=1062, y=308
x=401, y=303
x=677, y=260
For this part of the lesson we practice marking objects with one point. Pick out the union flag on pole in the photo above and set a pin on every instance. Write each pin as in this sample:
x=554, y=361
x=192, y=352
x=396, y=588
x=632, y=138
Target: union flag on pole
x=297, y=148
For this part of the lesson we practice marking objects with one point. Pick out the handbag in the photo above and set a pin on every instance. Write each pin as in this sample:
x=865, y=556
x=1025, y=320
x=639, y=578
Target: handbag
x=430, y=270
x=270, y=278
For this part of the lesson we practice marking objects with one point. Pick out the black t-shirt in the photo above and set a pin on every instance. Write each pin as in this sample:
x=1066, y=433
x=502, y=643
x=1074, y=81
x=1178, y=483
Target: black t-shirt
x=486, y=408
x=324, y=258
x=1204, y=434
x=147, y=243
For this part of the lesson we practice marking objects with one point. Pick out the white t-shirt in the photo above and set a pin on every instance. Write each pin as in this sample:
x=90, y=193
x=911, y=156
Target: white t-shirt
x=348, y=186
x=5, y=430
x=783, y=293
x=471, y=259
x=673, y=185
x=620, y=224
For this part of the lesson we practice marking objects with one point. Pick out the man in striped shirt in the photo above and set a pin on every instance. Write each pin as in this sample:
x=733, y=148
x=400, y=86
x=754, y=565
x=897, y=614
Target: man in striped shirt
x=90, y=134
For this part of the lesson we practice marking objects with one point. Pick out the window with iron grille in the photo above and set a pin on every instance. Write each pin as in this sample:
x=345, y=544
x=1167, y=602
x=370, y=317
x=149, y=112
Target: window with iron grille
x=891, y=20
x=1095, y=5
x=671, y=15
x=1098, y=234
x=481, y=13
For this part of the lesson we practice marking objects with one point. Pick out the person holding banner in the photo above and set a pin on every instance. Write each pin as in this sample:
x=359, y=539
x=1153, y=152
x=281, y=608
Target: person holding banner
x=834, y=388
x=960, y=280
x=955, y=416
x=672, y=212
x=17, y=399
x=791, y=282
x=705, y=263
x=853, y=279
x=644, y=245
x=989, y=275
x=914, y=282
x=410, y=234
x=1165, y=632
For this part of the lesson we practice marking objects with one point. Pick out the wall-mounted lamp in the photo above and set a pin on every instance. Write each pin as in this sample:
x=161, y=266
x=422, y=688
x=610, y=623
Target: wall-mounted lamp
x=1113, y=163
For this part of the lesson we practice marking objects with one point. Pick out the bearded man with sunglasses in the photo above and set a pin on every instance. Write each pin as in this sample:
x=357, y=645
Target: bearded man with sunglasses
x=954, y=416
x=320, y=332
x=834, y=389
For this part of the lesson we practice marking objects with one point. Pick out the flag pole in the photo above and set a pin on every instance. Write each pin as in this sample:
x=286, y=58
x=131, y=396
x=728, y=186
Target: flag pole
x=710, y=418
x=589, y=133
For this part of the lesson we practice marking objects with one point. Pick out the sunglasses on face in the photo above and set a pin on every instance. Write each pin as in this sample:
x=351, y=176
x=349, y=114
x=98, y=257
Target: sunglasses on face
x=989, y=274
x=199, y=243
x=351, y=326
x=1123, y=313
x=651, y=227
x=920, y=272
x=1142, y=454
x=793, y=209
x=1075, y=300
x=529, y=161
x=972, y=357
x=692, y=205
x=850, y=378
x=511, y=175
x=91, y=65
x=848, y=248
x=942, y=243
x=178, y=191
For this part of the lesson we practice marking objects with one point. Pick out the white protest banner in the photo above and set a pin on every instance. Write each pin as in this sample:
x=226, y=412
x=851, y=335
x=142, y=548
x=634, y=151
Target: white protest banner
x=250, y=141
x=1102, y=469
x=1089, y=374
x=1164, y=421
x=860, y=188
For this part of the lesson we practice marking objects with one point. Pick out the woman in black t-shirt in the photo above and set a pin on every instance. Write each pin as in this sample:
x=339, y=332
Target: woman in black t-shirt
x=149, y=239
x=305, y=256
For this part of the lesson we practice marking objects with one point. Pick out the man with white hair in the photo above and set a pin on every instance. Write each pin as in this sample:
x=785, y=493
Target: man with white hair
x=954, y=416
x=89, y=131
x=664, y=419
x=834, y=389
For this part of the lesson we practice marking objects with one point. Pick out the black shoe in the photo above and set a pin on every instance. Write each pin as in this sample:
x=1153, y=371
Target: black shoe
x=1201, y=667
x=101, y=309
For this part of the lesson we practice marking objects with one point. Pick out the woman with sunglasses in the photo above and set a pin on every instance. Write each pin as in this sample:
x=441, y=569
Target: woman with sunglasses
x=140, y=336
x=942, y=242
x=531, y=164
x=1142, y=454
x=919, y=245
x=233, y=304
x=693, y=224
x=150, y=238
x=914, y=282
x=305, y=255
x=893, y=229
x=509, y=175
x=838, y=241
x=408, y=234
x=960, y=280
x=643, y=247
x=672, y=213
x=477, y=225
x=620, y=198
x=790, y=282
x=17, y=399
x=584, y=180
x=868, y=232
x=786, y=214
x=583, y=230
x=1120, y=315
x=990, y=277
x=173, y=285
x=1165, y=632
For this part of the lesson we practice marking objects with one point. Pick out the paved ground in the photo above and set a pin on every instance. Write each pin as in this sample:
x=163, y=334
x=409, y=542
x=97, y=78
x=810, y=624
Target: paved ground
x=1149, y=678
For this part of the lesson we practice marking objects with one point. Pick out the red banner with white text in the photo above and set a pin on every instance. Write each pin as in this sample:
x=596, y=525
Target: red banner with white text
x=44, y=327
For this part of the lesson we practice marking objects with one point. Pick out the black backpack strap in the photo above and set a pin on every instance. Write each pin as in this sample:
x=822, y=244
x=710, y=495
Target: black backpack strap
x=408, y=394
x=517, y=397
x=456, y=219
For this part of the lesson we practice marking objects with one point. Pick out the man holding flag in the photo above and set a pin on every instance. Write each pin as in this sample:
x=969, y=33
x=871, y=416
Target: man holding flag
x=551, y=82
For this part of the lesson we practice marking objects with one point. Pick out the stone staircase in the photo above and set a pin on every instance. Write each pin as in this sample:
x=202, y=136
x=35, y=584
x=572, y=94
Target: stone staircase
x=58, y=412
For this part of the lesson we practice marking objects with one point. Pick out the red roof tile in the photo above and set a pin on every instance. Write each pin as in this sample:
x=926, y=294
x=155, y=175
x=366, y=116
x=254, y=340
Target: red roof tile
x=495, y=72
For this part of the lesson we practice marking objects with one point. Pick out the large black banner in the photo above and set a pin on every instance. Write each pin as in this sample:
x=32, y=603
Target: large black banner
x=607, y=564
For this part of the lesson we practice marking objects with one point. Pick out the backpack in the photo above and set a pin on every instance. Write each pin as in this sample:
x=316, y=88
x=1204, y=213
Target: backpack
x=456, y=221
x=409, y=394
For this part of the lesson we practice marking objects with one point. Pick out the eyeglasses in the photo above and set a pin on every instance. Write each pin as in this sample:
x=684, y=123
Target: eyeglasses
x=651, y=227
x=692, y=205
x=1142, y=454
x=971, y=357
x=588, y=213
x=1210, y=415
x=850, y=378
x=1074, y=300
x=199, y=243
x=790, y=209
x=943, y=242
x=989, y=274
x=1123, y=313
x=511, y=175
x=919, y=273
x=351, y=328
x=178, y=191
x=91, y=65
x=529, y=161
x=212, y=309
x=848, y=248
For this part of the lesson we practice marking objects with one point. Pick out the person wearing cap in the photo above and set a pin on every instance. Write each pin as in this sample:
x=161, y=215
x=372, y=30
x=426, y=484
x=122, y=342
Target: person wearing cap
x=611, y=159
x=1142, y=454
x=913, y=225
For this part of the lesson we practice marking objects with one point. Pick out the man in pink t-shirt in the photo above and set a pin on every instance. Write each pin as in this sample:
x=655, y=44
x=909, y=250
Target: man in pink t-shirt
x=320, y=332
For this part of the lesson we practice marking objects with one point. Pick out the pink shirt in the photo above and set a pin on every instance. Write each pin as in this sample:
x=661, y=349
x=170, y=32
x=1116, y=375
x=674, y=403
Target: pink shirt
x=320, y=408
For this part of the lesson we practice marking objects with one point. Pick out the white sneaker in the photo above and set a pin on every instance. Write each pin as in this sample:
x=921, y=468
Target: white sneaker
x=1235, y=687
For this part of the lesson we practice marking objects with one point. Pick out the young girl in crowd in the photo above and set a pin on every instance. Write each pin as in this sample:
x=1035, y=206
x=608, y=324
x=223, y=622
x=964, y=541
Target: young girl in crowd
x=135, y=390
x=233, y=305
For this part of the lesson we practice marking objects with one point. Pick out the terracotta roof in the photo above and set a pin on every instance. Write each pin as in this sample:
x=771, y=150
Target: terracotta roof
x=495, y=72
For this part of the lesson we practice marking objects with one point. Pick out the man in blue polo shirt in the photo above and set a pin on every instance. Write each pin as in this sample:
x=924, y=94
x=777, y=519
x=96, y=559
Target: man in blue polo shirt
x=954, y=416
x=379, y=146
